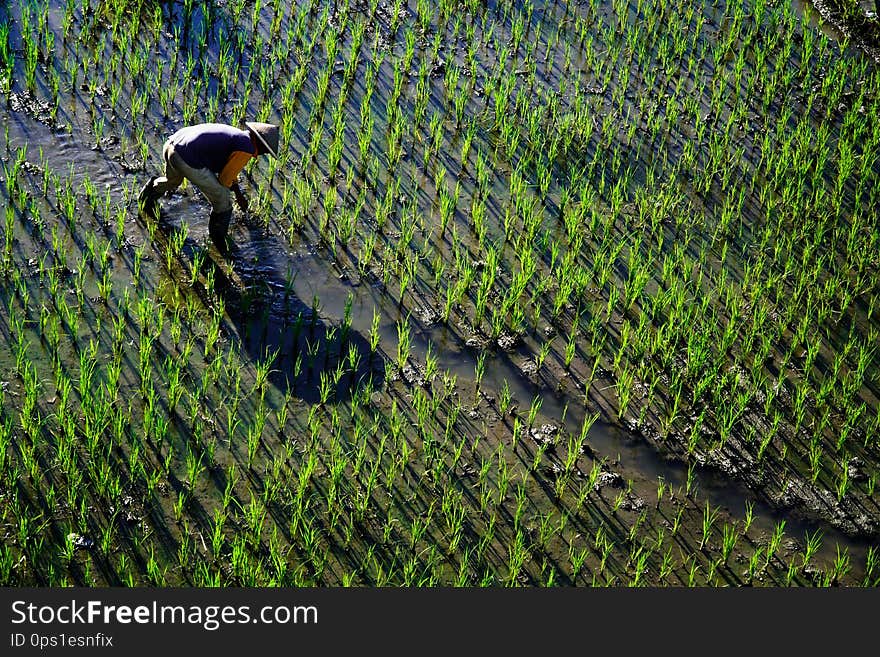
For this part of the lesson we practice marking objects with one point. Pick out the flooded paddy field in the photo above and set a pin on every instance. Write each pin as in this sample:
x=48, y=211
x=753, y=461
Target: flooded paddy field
x=563, y=293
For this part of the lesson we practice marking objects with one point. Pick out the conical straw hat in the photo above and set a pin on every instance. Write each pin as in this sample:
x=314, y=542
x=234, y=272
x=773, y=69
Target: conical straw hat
x=267, y=134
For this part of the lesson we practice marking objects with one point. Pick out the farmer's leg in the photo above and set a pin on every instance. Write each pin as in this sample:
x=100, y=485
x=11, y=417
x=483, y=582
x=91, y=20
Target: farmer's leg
x=173, y=172
x=218, y=195
x=211, y=187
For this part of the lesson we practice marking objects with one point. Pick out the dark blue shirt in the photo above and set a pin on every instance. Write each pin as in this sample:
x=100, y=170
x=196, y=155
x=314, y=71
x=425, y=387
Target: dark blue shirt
x=210, y=145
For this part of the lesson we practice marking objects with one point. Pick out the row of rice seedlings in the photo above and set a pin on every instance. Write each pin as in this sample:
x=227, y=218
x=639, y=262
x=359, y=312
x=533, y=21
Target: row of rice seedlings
x=254, y=516
x=252, y=513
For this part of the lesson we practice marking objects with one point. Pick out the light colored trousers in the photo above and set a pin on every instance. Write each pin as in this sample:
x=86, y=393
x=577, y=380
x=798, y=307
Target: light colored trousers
x=205, y=179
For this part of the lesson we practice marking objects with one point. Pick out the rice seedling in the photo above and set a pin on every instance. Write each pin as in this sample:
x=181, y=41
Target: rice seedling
x=709, y=518
x=870, y=567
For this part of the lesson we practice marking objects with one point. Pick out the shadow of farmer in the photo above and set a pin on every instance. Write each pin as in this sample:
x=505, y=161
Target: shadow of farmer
x=314, y=359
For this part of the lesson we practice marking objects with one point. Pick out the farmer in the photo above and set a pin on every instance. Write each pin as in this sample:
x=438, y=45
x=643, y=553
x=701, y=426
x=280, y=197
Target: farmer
x=210, y=156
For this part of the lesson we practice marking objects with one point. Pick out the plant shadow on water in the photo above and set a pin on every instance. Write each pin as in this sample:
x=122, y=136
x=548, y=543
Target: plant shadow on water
x=313, y=358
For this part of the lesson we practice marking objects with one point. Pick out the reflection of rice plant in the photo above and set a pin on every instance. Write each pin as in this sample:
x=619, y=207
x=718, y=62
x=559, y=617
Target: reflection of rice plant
x=403, y=343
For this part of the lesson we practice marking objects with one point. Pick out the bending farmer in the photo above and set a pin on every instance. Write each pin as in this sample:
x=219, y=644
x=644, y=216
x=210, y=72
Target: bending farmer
x=210, y=156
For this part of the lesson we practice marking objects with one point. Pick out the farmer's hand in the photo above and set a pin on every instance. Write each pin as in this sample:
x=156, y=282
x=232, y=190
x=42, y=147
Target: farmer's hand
x=240, y=198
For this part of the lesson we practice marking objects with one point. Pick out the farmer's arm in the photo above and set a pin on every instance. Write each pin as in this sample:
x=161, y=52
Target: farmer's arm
x=229, y=175
x=240, y=198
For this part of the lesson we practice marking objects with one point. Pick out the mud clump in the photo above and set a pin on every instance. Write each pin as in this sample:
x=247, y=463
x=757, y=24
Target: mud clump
x=844, y=514
x=855, y=471
x=412, y=376
x=476, y=342
x=27, y=103
x=528, y=367
x=607, y=478
x=80, y=542
x=428, y=316
x=545, y=435
x=507, y=342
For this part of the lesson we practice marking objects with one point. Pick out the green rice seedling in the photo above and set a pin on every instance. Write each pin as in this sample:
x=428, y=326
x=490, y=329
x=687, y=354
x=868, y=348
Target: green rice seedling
x=813, y=543
x=534, y=407
x=479, y=371
x=516, y=432
x=605, y=551
x=870, y=567
x=624, y=391
x=543, y=351
x=619, y=499
x=775, y=541
x=729, y=537
x=661, y=487
x=709, y=518
x=839, y=569
x=843, y=482
x=504, y=398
